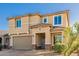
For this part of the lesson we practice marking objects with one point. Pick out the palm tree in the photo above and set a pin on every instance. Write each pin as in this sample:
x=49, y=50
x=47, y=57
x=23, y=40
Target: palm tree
x=72, y=39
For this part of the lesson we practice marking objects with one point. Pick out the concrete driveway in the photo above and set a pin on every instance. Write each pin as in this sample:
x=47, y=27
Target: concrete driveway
x=10, y=52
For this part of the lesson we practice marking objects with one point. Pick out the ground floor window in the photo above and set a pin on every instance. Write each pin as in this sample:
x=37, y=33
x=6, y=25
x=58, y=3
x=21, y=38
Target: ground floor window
x=58, y=38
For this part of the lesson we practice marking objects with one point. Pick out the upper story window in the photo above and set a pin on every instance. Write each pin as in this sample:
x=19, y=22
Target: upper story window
x=45, y=20
x=57, y=20
x=18, y=23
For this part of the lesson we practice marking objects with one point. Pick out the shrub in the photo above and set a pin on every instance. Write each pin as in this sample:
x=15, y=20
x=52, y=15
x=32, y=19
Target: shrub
x=58, y=47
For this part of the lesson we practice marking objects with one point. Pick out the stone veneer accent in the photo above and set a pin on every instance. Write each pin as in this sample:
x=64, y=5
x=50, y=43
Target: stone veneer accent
x=48, y=46
x=34, y=46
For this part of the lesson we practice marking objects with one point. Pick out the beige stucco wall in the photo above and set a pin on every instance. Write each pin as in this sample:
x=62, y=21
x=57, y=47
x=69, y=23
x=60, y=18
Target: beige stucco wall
x=48, y=38
x=35, y=19
x=11, y=41
x=11, y=25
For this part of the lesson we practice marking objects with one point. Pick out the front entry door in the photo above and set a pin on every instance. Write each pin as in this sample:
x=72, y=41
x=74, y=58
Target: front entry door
x=41, y=41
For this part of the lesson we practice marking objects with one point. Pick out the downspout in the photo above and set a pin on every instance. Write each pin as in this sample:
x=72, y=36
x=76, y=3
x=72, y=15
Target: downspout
x=68, y=14
x=29, y=24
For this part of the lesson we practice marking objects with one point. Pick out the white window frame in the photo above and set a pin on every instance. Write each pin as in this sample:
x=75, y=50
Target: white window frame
x=61, y=20
x=21, y=23
x=61, y=37
x=43, y=20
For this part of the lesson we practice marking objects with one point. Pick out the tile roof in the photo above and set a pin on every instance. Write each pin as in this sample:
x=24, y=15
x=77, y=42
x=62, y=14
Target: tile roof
x=2, y=32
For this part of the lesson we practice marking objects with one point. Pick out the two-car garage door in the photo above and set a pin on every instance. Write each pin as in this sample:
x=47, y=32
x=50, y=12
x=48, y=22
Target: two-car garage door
x=22, y=42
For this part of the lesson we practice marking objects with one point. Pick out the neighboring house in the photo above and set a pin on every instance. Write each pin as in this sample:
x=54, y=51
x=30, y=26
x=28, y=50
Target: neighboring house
x=34, y=31
x=4, y=39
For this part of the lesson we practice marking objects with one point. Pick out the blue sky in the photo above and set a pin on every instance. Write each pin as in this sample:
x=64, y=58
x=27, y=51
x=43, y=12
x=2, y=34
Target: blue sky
x=8, y=10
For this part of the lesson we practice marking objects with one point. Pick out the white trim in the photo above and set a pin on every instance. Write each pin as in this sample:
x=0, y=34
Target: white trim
x=43, y=20
x=61, y=20
x=61, y=35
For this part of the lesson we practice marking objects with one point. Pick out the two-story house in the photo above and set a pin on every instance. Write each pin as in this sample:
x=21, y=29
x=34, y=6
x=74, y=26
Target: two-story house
x=34, y=31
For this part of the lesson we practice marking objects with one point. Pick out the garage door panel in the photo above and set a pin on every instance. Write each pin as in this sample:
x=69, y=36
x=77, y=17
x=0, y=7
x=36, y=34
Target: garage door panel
x=22, y=42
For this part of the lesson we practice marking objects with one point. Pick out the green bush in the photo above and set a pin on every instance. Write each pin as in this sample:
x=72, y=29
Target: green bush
x=58, y=47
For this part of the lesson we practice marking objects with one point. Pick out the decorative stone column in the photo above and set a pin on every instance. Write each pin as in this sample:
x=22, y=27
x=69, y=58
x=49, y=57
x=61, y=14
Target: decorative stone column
x=52, y=36
x=48, y=42
x=11, y=41
x=3, y=40
x=34, y=41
